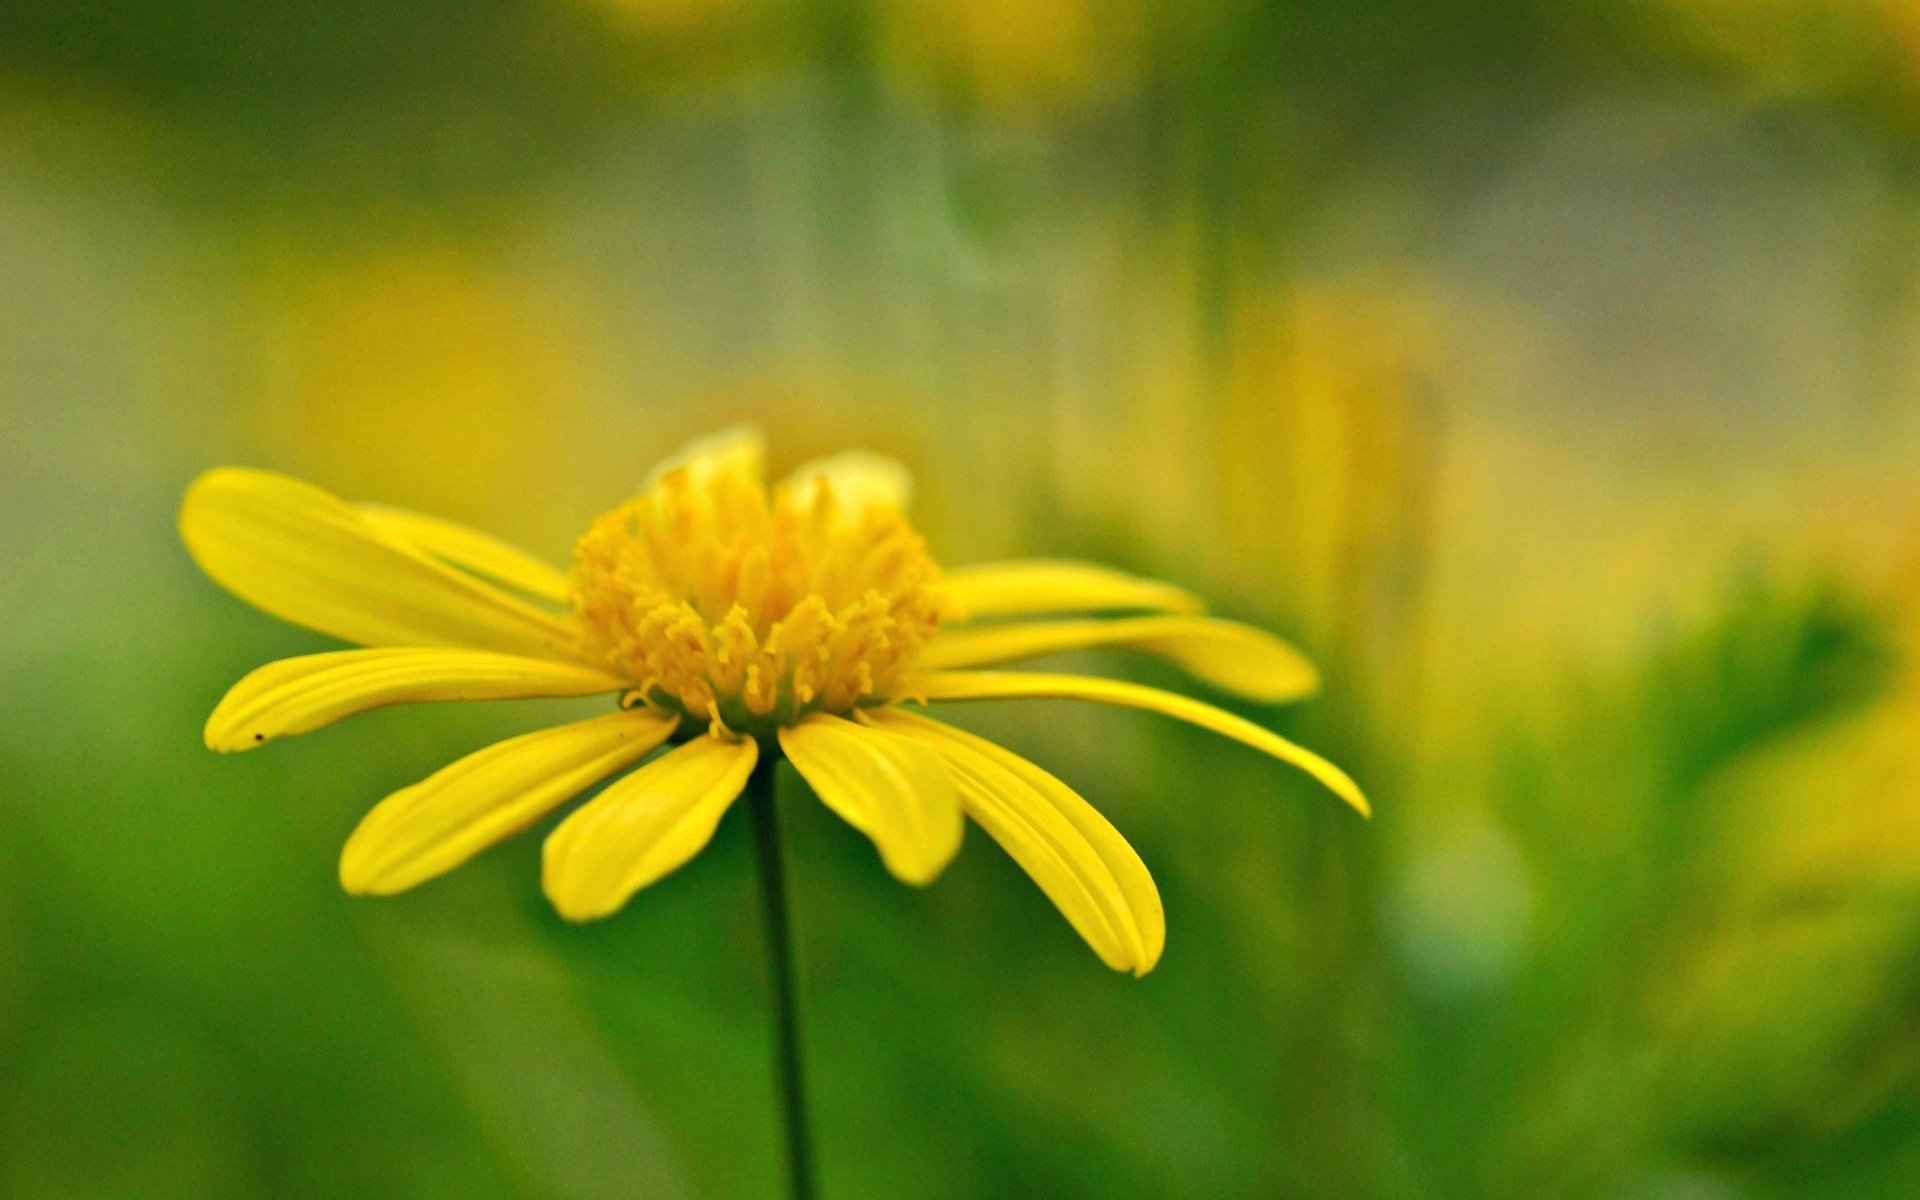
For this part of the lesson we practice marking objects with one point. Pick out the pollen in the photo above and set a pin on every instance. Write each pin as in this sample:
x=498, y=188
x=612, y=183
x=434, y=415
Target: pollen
x=749, y=608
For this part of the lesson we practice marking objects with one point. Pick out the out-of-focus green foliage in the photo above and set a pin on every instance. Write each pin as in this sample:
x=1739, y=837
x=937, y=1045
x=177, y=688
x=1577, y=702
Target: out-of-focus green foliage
x=1548, y=371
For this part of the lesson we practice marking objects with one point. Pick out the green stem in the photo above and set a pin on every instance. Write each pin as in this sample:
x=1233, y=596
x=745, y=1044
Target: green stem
x=789, y=1079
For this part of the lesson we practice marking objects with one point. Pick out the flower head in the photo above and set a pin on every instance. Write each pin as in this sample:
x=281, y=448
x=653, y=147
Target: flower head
x=723, y=601
x=738, y=623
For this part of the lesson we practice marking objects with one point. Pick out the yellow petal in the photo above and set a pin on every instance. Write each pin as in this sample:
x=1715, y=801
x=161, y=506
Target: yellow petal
x=1013, y=685
x=488, y=796
x=308, y=557
x=471, y=550
x=859, y=481
x=643, y=826
x=1072, y=852
x=896, y=791
x=299, y=694
x=1233, y=657
x=738, y=449
x=1038, y=586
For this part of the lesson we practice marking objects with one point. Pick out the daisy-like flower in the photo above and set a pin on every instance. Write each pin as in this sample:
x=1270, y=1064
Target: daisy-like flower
x=735, y=623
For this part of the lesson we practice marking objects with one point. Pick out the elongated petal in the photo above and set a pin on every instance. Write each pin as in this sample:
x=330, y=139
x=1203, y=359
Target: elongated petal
x=488, y=796
x=471, y=550
x=1072, y=852
x=1233, y=657
x=859, y=480
x=895, y=790
x=308, y=557
x=738, y=449
x=1011, y=685
x=1038, y=586
x=295, y=695
x=643, y=826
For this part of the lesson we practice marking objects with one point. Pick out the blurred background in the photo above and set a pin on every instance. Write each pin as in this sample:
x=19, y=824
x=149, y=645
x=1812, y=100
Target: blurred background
x=1550, y=371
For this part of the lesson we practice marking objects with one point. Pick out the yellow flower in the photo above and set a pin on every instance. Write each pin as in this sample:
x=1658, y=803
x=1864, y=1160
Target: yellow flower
x=739, y=622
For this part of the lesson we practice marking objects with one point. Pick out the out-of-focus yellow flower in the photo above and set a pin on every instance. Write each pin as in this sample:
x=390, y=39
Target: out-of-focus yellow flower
x=1326, y=446
x=741, y=623
x=684, y=16
x=421, y=370
x=1797, y=46
x=1014, y=55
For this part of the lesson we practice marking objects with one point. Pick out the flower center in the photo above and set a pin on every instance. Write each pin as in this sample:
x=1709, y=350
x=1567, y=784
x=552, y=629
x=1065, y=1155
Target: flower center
x=721, y=601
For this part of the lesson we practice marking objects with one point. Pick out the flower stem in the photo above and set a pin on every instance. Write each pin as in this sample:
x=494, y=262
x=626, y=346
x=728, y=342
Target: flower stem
x=789, y=1079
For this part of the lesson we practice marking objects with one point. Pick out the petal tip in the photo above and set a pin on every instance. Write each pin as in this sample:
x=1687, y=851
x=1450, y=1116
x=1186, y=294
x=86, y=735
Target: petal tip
x=579, y=910
x=1289, y=689
x=363, y=874
x=921, y=870
x=574, y=901
x=574, y=904
x=917, y=875
x=355, y=879
x=737, y=448
x=222, y=737
x=209, y=484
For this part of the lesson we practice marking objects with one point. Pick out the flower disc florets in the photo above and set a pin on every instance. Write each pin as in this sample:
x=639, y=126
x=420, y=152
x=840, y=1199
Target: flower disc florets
x=720, y=600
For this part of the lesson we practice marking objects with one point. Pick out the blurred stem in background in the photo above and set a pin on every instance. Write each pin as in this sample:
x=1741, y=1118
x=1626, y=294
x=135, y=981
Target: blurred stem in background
x=789, y=1077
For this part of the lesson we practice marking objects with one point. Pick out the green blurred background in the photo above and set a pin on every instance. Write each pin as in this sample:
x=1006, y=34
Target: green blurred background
x=1550, y=371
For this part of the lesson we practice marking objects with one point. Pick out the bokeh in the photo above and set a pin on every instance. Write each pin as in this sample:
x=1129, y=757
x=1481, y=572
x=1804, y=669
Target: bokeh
x=1549, y=371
